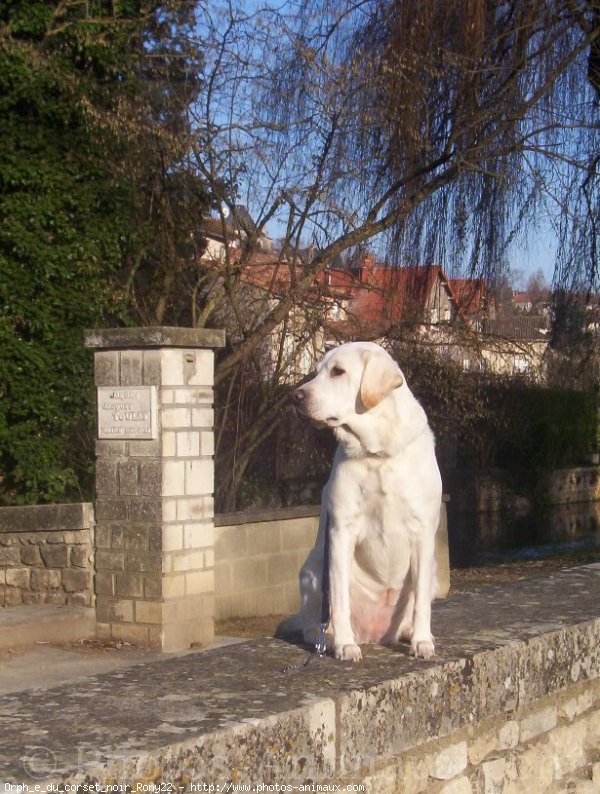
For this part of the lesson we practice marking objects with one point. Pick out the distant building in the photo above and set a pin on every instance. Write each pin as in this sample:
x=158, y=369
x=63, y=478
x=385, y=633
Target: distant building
x=369, y=300
x=528, y=302
x=231, y=230
x=516, y=345
x=384, y=297
x=472, y=299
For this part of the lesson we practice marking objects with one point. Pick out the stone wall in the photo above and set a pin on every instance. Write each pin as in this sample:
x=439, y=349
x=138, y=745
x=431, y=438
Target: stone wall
x=565, y=486
x=550, y=746
x=154, y=491
x=510, y=703
x=257, y=560
x=494, y=490
x=258, y=556
x=493, y=509
x=47, y=555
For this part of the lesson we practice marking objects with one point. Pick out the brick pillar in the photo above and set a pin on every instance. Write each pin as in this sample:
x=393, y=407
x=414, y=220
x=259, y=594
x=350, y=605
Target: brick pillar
x=154, y=485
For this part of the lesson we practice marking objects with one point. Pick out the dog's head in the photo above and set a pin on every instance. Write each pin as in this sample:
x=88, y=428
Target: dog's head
x=351, y=379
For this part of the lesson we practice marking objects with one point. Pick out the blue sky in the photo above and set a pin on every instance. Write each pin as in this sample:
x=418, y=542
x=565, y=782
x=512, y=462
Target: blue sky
x=540, y=252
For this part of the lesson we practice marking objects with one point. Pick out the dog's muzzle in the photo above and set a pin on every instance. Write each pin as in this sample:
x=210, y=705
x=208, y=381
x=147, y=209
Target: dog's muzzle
x=298, y=397
x=299, y=401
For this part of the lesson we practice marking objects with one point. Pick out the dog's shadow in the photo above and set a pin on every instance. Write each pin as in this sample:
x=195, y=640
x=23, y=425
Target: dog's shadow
x=294, y=637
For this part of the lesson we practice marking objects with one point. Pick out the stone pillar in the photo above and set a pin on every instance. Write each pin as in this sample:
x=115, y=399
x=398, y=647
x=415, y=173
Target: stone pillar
x=154, y=485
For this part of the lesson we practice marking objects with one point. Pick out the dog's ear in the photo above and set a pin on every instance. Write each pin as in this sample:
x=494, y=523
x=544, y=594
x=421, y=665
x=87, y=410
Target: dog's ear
x=380, y=377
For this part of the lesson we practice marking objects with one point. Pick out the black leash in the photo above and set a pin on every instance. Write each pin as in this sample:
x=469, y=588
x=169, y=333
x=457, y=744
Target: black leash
x=320, y=648
x=321, y=644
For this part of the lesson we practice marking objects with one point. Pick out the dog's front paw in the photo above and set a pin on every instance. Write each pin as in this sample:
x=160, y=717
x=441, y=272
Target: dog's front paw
x=348, y=653
x=422, y=649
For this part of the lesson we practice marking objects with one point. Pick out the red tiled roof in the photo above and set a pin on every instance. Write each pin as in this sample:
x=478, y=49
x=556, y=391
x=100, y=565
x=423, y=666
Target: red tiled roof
x=531, y=297
x=265, y=272
x=377, y=296
x=521, y=297
x=388, y=295
x=469, y=294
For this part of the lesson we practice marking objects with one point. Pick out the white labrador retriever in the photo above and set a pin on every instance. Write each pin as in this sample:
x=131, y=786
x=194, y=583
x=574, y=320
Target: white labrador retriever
x=383, y=498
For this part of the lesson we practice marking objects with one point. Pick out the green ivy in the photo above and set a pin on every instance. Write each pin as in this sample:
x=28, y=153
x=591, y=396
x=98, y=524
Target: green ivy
x=71, y=90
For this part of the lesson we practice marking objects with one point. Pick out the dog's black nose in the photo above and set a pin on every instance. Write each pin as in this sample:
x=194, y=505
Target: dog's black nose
x=297, y=396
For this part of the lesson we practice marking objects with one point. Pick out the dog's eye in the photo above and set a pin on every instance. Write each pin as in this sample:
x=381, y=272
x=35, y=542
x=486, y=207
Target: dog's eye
x=337, y=371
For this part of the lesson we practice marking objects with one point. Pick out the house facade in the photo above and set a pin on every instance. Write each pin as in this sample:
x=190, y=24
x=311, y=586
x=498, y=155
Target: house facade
x=370, y=300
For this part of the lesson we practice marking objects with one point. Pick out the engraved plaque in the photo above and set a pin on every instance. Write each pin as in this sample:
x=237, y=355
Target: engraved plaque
x=127, y=412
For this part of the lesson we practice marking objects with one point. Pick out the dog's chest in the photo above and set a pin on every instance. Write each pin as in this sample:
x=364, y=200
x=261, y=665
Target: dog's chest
x=382, y=527
x=377, y=480
x=371, y=497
